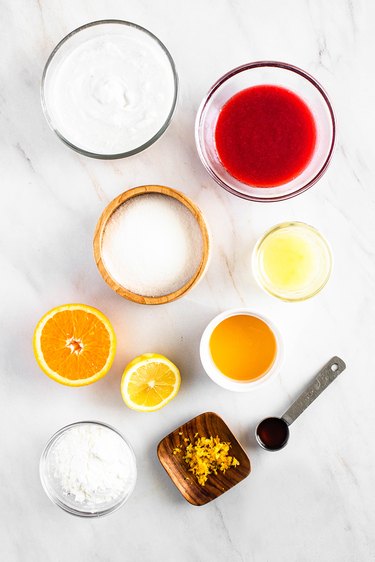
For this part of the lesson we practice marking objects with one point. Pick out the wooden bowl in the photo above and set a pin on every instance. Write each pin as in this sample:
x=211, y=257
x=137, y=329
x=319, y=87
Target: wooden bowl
x=206, y=425
x=100, y=228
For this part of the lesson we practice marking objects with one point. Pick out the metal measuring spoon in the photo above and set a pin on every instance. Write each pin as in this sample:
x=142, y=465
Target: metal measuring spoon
x=273, y=433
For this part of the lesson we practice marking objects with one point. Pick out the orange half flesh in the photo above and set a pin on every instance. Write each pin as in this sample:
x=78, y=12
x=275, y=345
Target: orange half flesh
x=74, y=344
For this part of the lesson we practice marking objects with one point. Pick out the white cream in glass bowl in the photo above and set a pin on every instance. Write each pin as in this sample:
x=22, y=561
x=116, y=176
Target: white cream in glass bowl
x=109, y=89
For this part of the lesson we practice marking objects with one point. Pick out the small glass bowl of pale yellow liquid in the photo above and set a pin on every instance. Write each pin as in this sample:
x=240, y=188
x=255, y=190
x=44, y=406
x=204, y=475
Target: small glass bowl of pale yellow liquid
x=292, y=261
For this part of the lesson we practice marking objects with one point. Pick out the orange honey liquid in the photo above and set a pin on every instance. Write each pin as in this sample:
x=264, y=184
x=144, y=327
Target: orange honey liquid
x=243, y=347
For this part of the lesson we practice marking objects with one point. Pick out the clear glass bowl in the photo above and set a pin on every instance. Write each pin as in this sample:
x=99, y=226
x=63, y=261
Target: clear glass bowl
x=58, y=496
x=320, y=254
x=262, y=73
x=77, y=38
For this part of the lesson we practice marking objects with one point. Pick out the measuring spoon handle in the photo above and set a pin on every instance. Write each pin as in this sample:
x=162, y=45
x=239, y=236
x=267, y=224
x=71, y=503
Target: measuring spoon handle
x=323, y=379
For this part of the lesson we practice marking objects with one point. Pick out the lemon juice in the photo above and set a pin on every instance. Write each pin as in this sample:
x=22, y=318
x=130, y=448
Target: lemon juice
x=292, y=261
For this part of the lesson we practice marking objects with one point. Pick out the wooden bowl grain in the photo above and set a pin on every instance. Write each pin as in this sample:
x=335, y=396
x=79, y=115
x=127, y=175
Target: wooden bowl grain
x=205, y=425
x=100, y=228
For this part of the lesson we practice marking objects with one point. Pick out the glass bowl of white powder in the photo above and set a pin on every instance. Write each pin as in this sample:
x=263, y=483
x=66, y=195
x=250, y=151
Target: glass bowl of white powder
x=109, y=89
x=88, y=469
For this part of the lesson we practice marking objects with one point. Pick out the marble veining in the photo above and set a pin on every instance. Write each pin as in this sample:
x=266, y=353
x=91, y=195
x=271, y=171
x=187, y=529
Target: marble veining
x=312, y=501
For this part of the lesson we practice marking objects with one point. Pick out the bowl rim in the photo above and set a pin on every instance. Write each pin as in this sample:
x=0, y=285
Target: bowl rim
x=250, y=66
x=127, y=153
x=255, y=259
x=55, y=499
x=112, y=208
x=216, y=375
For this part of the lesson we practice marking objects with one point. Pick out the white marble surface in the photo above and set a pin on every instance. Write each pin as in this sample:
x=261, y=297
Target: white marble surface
x=314, y=501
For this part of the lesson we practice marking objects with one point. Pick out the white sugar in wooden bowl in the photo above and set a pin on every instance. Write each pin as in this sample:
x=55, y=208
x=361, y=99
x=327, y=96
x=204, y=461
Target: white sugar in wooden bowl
x=151, y=244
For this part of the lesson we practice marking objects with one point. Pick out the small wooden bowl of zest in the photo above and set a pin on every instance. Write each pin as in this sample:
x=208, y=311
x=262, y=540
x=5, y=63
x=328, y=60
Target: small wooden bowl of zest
x=203, y=458
x=151, y=244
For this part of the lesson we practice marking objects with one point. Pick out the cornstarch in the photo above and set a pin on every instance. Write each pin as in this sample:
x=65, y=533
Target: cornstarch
x=93, y=464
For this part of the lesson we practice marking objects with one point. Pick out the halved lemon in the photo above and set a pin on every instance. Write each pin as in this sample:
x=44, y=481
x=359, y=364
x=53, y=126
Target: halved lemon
x=74, y=344
x=149, y=382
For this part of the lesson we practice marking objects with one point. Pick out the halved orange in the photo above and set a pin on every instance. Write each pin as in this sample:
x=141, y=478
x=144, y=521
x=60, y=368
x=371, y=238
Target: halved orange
x=74, y=344
x=149, y=382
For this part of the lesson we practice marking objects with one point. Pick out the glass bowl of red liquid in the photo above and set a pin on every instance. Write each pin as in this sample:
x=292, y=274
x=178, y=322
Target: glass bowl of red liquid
x=266, y=131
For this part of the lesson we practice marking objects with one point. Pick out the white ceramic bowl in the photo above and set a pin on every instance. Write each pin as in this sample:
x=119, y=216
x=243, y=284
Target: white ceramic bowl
x=216, y=375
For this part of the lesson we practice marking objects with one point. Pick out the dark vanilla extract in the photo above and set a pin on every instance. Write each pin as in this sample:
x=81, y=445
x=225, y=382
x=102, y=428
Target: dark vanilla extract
x=273, y=433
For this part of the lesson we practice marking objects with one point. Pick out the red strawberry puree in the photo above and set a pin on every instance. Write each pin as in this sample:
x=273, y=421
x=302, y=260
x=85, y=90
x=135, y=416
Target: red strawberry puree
x=265, y=136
